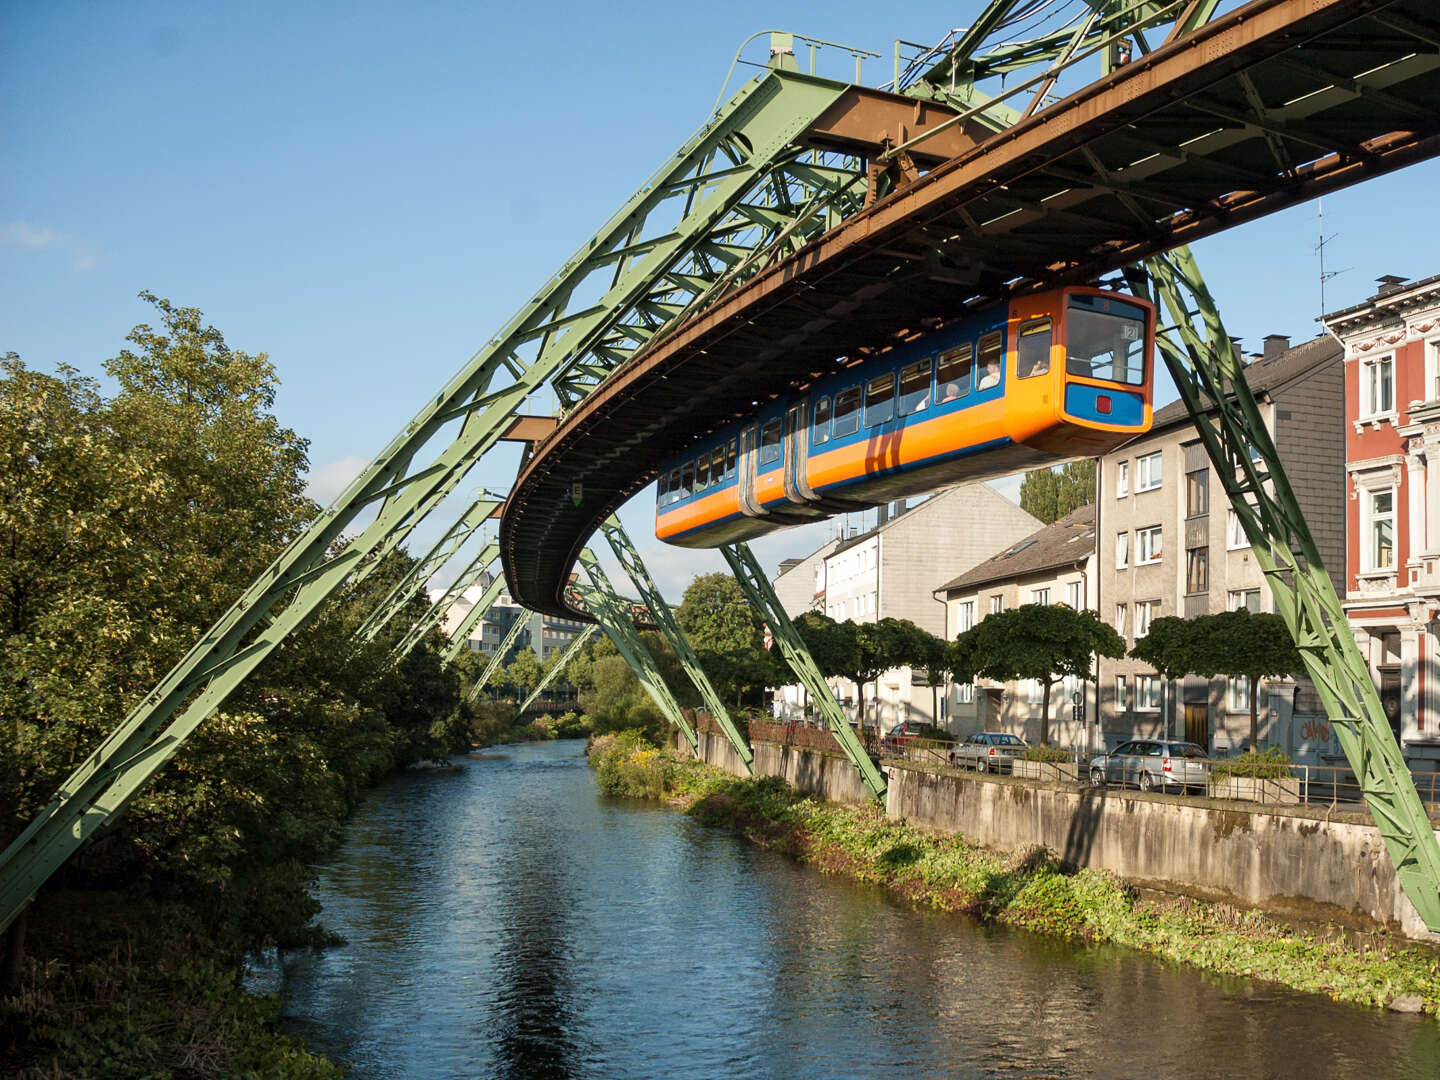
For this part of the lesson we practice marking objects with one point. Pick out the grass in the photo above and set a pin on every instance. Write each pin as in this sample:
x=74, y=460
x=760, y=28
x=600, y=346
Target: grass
x=1029, y=890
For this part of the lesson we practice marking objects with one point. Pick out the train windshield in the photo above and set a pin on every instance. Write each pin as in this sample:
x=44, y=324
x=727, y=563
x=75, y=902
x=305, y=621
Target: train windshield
x=1105, y=339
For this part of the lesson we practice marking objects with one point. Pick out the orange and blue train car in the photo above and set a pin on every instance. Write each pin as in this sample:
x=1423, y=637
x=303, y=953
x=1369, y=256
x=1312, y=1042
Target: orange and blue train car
x=1044, y=378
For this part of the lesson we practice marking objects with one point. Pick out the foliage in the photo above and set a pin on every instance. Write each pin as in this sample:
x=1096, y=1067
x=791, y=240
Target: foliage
x=1046, y=642
x=627, y=763
x=525, y=672
x=1051, y=493
x=1045, y=753
x=726, y=633
x=1272, y=763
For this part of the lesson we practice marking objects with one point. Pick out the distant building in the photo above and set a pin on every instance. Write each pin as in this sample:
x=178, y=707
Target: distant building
x=1170, y=545
x=1054, y=565
x=889, y=572
x=545, y=634
x=1392, y=474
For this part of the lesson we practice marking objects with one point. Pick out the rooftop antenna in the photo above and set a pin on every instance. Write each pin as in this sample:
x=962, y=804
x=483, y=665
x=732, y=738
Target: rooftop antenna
x=1320, y=250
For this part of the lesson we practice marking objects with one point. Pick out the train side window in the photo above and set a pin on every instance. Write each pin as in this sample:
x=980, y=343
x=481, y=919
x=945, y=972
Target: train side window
x=662, y=489
x=915, y=387
x=1033, y=349
x=687, y=479
x=952, y=373
x=702, y=473
x=880, y=399
x=675, y=493
x=992, y=360
x=730, y=460
x=717, y=466
x=847, y=412
x=770, y=442
x=820, y=431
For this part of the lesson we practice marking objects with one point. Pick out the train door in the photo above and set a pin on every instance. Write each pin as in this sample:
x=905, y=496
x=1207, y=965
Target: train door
x=797, y=451
x=745, y=474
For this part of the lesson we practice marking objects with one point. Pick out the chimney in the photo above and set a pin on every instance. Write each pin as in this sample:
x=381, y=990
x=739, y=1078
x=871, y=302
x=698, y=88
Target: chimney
x=1237, y=344
x=1389, y=284
x=1275, y=344
x=900, y=508
x=882, y=514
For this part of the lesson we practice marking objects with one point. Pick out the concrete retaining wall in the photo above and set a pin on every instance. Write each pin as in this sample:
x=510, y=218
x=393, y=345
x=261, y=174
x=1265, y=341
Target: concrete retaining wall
x=1291, y=861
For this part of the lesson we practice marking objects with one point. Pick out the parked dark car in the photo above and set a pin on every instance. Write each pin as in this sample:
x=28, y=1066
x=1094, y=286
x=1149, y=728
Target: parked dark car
x=988, y=751
x=907, y=731
x=1153, y=765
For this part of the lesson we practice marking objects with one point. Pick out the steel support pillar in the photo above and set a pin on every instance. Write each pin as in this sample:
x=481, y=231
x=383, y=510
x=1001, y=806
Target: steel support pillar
x=436, y=612
x=1211, y=379
x=498, y=658
x=557, y=665
x=665, y=619
x=472, y=618
x=611, y=611
x=756, y=587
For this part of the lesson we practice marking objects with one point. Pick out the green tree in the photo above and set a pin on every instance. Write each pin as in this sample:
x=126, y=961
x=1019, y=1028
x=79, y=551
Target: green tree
x=525, y=672
x=867, y=650
x=1051, y=493
x=1046, y=642
x=1231, y=643
x=726, y=633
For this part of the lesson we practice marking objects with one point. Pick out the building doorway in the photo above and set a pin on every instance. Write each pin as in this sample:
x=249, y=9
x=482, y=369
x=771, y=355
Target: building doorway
x=1197, y=725
x=1390, y=699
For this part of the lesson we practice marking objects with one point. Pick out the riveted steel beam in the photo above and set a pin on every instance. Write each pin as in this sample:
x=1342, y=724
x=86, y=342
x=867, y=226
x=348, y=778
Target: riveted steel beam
x=557, y=665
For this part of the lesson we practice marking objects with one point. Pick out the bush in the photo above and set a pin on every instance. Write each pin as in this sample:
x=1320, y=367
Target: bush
x=1269, y=764
x=1046, y=753
x=628, y=764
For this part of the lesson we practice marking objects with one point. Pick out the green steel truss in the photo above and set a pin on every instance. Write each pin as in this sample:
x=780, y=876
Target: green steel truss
x=498, y=657
x=1211, y=380
x=757, y=589
x=613, y=614
x=553, y=669
x=732, y=187
x=461, y=635
x=670, y=628
x=436, y=612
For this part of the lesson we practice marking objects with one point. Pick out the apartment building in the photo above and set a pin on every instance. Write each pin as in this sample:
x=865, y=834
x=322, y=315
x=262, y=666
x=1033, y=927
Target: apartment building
x=1053, y=565
x=889, y=572
x=1392, y=475
x=1168, y=544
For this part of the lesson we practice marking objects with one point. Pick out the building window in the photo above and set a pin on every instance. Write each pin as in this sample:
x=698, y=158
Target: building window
x=1034, y=691
x=1197, y=493
x=1122, y=479
x=1147, y=545
x=1245, y=598
x=1147, y=693
x=1122, y=550
x=1145, y=611
x=1432, y=370
x=1040, y=596
x=1147, y=472
x=1197, y=570
x=1377, y=386
x=997, y=603
x=1237, y=698
x=1234, y=531
x=1072, y=595
x=1120, y=612
x=1122, y=694
x=965, y=693
x=1379, y=530
x=964, y=616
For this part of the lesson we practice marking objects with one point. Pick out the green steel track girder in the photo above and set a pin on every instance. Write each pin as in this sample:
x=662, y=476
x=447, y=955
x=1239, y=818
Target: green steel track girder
x=437, y=610
x=1211, y=380
x=558, y=333
x=633, y=566
x=498, y=658
x=557, y=665
x=480, y=609
x=422, y=569
x=757, y=589
x=615, y=619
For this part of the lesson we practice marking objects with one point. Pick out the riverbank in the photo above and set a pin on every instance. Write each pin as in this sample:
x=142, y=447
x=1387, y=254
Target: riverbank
x=1030, y=891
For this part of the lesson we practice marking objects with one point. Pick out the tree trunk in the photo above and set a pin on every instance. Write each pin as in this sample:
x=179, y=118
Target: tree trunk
x=1045, y=715
x=13, y=965
x=1254, y=715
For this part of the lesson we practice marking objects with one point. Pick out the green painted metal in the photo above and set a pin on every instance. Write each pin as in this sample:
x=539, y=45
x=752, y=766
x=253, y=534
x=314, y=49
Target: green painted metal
x=497, y=659
x=670, y=241
x=613, y=614
x=459, y=639
x=1211, y=380
x=553, y=670
x=633, y=566
x=437, y=610
x=757, y=589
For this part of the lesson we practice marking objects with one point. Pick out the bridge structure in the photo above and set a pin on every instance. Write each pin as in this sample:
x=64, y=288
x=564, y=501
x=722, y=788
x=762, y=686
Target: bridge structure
x=809, y=219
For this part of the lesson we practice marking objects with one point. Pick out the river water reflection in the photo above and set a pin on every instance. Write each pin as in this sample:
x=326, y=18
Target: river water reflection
x=507, y=920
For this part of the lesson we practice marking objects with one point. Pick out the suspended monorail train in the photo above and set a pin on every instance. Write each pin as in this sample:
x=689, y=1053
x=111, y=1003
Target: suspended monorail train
x=1043, y=378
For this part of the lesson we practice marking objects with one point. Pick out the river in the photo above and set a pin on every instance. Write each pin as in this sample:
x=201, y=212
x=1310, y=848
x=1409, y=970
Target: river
x=505, y=919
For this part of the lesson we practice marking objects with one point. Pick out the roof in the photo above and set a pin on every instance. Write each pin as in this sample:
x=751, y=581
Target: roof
x=1064, y=543
x=1265, y=376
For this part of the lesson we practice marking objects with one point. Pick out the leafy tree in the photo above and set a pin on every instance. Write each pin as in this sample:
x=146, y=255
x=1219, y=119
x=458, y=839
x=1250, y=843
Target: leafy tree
x=725, y=632
x=1049, y=494
x=877, y=647
x=1046, y=642
x=525, y=672
x=1230, y=643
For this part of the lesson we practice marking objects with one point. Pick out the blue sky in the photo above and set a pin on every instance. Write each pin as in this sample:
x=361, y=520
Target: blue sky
x=367, y=191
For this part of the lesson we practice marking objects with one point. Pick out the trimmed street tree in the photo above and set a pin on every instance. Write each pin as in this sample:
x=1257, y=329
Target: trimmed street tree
x=725, y=632
x=1046, y=642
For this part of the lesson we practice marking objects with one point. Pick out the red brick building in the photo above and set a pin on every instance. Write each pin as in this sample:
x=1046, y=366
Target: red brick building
x=1392, y=464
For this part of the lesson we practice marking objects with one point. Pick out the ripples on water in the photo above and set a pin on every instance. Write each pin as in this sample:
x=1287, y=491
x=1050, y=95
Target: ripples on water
x=507, y=920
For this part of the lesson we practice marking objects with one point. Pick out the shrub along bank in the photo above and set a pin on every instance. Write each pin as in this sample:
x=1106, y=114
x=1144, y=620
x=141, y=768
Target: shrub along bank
x=1029, y=890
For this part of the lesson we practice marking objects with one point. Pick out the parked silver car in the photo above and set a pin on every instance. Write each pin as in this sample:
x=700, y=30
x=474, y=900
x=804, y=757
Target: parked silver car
x=1152, y=765
x=988, y=751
